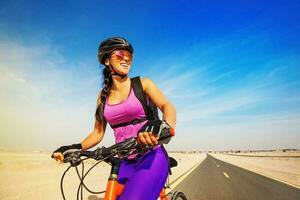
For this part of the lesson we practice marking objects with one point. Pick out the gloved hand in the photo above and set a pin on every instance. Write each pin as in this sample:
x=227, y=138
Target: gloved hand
x=160, y=129
x=58, y=154
x=152, y=126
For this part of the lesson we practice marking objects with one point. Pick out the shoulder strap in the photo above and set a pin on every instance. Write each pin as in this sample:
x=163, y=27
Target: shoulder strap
x=139, y=93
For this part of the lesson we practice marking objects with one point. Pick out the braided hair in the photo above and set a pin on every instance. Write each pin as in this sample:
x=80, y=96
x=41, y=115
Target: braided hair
x=107, y=83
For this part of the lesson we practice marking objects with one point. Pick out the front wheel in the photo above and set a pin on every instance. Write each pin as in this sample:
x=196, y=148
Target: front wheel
x=179, y=196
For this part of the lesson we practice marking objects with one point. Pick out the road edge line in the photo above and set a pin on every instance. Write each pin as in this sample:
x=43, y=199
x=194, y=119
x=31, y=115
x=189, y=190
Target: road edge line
x=175, y=182
x=263, y=174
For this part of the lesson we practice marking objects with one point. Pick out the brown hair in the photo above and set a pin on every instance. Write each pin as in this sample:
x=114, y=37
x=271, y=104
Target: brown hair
x=107, y=83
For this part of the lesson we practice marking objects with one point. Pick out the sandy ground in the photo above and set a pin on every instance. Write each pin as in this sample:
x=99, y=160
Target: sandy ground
x=286, y=170
x=271, y=153
x=34, y=176
x=185, y=162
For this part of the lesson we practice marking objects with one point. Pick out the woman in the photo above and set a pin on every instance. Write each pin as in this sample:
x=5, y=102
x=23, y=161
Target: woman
x=144, y=176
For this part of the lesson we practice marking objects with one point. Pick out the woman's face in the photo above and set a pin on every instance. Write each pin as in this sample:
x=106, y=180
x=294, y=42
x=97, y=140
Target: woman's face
x=120, y=60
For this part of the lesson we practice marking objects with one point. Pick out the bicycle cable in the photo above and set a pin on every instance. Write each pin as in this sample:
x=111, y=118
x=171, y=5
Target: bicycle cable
x=81, y=178
x=61, y=182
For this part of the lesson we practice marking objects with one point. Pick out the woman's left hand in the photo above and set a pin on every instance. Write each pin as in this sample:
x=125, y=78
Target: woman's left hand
x=147, y=138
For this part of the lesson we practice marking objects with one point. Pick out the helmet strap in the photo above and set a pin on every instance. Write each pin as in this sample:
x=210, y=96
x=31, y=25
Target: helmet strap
x=113, y=73
x=122, y=76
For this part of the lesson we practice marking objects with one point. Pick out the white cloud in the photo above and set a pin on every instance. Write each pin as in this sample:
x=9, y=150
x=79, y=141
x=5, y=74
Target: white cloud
x=211, y=116
x=44, y=101
x=221, y=76
x=247, y=132
x=53, y=103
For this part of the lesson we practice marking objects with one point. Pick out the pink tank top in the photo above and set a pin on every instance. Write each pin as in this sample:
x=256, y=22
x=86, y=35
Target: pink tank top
x=125, y=111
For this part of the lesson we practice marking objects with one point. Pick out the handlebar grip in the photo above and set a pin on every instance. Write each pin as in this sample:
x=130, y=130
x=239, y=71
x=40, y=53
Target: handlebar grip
x=89, y=154
x=166, y=135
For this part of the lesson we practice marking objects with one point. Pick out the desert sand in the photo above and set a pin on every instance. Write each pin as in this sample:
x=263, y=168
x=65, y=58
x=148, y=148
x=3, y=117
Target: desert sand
x=35, y=176
x=285, y=169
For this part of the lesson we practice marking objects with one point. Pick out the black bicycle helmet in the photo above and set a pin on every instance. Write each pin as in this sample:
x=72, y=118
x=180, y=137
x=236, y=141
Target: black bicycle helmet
x=111, y=44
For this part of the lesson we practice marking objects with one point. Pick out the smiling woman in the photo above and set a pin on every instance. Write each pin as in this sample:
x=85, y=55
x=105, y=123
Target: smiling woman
x=119, y=105
x=121, y=59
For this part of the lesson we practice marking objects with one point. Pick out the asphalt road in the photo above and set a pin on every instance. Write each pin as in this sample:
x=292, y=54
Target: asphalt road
x=214, y=179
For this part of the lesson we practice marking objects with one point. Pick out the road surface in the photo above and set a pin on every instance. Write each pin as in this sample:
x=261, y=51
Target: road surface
x=214, y=179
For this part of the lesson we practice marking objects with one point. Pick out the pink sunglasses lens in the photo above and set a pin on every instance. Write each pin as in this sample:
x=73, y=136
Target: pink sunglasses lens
x=119, y=54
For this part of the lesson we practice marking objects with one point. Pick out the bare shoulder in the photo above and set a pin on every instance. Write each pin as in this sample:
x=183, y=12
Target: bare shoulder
x=145, y=80
x=154, y=93
x=147, y=83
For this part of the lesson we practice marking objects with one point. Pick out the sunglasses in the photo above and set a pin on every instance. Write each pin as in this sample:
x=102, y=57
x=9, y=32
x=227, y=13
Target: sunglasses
x=120, y=54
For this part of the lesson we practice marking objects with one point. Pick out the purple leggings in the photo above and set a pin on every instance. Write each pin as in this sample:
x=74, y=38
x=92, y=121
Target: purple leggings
x=145, y=177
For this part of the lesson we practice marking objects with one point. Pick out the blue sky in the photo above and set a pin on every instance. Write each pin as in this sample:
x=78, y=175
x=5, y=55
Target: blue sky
x=231, y=68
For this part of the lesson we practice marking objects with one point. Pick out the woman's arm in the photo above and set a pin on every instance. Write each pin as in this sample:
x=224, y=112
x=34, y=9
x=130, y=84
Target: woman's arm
x=97, y=135
x=94, y=137
x=91, y=140
x=157, y=97
x=168, y=110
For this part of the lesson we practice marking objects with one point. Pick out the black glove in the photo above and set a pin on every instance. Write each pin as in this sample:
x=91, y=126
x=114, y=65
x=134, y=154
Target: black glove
x=159, y=128
x=152, y=126
x=66, y=149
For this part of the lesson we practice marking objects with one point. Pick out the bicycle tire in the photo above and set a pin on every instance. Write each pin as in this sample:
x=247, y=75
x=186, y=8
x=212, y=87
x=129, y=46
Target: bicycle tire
x=179, y=196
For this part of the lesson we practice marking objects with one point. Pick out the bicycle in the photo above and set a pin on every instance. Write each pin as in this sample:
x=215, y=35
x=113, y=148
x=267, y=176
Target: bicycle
x=111, y=155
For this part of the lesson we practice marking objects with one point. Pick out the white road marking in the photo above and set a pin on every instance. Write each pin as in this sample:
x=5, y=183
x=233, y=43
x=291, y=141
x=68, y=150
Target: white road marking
x=226, y=175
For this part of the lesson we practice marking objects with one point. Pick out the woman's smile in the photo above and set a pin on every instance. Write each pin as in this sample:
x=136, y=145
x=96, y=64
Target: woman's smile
x=124, y=64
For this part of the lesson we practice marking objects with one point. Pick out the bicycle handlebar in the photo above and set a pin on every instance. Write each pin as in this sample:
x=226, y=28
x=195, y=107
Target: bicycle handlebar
x=123, y=149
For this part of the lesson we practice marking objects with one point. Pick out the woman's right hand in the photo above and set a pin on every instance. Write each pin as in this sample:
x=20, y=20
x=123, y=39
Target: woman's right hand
x=58, y=154
x=147, y=138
